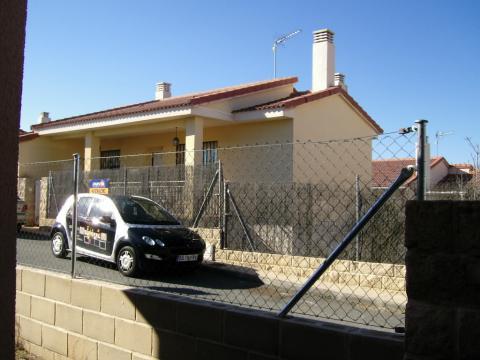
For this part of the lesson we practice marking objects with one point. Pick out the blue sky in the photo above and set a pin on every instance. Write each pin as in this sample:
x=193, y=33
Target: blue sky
x=403, y=60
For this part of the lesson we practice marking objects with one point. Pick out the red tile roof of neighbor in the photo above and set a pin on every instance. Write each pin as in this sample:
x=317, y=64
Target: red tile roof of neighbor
x=174, y=102
x=384, y=172
x=295, y=99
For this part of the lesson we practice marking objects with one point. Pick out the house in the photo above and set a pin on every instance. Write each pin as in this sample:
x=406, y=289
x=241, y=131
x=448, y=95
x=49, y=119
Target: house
x=441, y=175
x=199, y=131
x=271, y=111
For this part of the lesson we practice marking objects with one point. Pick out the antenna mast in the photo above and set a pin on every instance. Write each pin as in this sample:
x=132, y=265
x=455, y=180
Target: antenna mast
x=440, y=134
x=276, y=43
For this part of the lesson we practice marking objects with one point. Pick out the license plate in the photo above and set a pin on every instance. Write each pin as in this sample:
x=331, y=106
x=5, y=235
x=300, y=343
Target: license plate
x=182, y=258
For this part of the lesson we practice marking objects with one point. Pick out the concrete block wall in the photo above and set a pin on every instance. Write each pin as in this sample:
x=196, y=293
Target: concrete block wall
x=60, y=318
x=390, y=277
x=443, y=280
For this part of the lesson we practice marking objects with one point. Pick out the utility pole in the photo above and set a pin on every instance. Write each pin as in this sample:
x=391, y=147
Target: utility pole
x=276, y=43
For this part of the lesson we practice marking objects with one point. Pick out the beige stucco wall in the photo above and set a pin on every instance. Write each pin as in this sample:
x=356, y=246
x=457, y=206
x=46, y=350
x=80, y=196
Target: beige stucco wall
x=239, y=162
x=331, y=118
x=437, y=173
x=250, y=152
x=33, y=153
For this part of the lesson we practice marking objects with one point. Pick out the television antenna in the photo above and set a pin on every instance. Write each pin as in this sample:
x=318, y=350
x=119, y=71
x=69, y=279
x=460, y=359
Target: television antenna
x=280, y=41
x=440, y=134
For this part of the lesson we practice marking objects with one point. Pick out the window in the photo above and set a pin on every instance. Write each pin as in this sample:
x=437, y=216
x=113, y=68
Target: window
x=110, y=159
x=180, y=155
x=209, y=152
x=99, y=208
x=82, y=207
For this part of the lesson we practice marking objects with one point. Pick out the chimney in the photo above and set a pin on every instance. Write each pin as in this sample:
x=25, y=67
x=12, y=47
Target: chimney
x=43, y=118
x=162, y=91
x=339, y=80
x=323, y=64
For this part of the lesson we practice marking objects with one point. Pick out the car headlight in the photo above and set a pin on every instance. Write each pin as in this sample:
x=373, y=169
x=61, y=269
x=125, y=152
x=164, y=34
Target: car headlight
x=160, y=242
x=148, y=240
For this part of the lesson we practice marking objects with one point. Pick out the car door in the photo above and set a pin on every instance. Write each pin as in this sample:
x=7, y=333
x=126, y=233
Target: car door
x=83, y=206
x=100, y=227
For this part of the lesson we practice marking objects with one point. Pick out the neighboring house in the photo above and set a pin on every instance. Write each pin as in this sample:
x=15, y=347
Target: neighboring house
x=271, y=111
x=441, y=174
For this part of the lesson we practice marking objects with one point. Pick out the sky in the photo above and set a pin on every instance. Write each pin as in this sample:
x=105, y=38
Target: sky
x=403, y=60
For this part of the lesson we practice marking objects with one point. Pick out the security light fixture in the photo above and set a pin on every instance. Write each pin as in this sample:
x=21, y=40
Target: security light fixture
x=176, y=140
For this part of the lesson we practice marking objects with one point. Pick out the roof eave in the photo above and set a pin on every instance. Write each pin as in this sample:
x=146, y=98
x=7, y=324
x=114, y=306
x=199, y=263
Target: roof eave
x=144, y=117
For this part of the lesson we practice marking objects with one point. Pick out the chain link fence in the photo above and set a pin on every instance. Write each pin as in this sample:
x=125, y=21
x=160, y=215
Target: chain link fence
x=270, y=214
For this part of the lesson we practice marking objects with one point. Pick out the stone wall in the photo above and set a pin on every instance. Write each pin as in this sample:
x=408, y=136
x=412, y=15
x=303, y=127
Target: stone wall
x=60, y=318
x=389, y=277
x=443, y=280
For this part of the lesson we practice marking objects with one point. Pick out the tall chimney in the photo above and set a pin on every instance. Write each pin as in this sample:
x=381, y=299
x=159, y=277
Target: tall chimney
x=323, y=64
x=162, y=91
x=43, y=118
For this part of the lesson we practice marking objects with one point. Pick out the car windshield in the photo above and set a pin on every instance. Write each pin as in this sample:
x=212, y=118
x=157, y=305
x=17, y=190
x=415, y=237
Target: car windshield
x=143, y=211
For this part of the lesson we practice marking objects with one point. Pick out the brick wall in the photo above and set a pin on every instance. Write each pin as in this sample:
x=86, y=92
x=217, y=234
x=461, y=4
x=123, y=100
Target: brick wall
x=61, y=318
x=443, y=280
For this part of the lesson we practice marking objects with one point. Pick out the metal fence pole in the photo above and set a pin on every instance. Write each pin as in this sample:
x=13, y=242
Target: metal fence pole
x=125, y=181
x=226, y=210
x=358, y=210
x=76, y=162
x=220, y=183
x=421, y=159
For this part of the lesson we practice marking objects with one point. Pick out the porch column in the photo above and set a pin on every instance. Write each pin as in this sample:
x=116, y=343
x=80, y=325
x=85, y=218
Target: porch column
x=193, y=160
x=193, y=141
x=92, y=150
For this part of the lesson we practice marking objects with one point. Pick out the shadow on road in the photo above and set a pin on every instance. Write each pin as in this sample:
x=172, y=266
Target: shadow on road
x=33, y=235
x=204, y=277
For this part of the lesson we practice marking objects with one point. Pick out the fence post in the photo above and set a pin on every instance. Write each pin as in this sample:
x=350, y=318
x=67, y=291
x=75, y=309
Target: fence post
x=358, y=210
x=226, y=201
x=421, y=159
x=125, y=181
x=220, y=183
x=76, y=162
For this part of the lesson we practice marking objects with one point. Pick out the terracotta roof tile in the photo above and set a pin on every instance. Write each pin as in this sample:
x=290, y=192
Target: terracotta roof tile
x=384, y=172
x=299, y=98
x=173, y=102
x=24, y=136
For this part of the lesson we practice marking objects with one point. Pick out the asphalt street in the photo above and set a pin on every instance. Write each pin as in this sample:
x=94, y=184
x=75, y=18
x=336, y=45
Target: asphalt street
x=222, y=284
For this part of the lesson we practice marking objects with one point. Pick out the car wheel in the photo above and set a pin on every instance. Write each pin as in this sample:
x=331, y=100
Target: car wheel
x=59, y=249
x=127, y=261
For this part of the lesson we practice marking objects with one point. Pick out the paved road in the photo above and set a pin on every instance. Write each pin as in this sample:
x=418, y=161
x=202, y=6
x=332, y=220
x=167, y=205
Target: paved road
x=217, y=284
